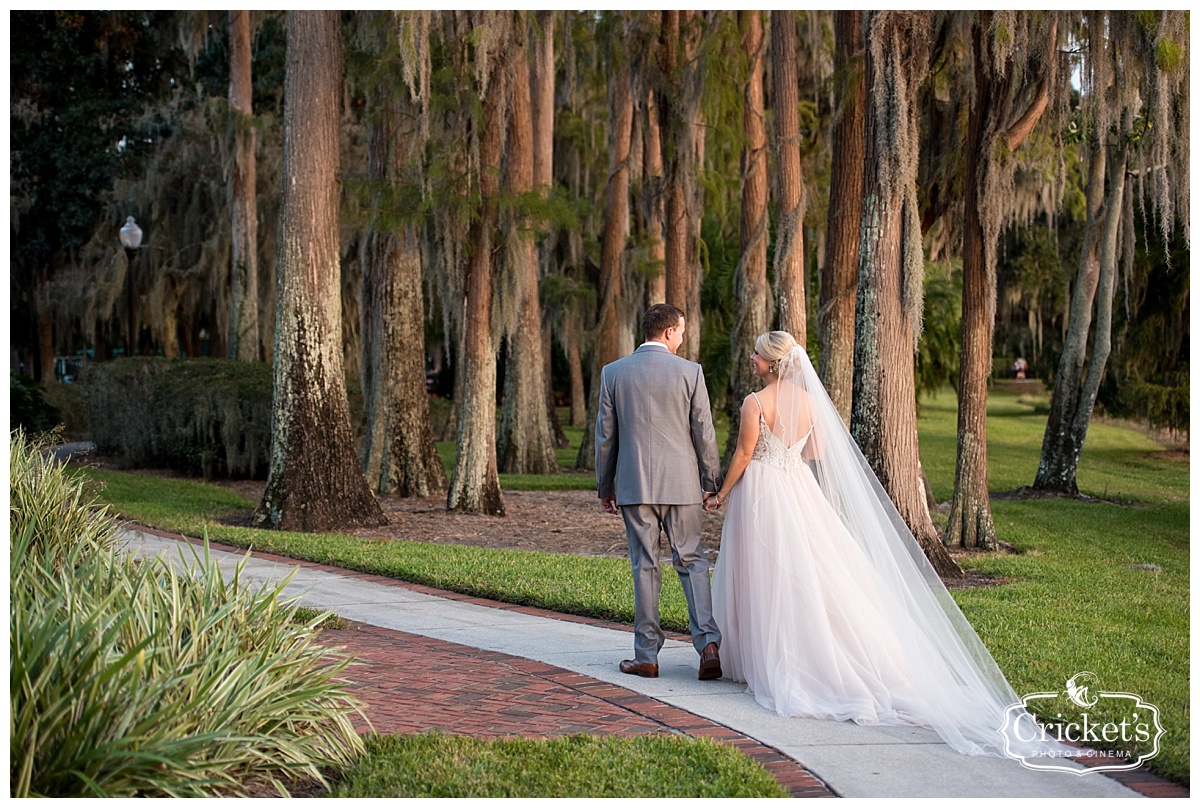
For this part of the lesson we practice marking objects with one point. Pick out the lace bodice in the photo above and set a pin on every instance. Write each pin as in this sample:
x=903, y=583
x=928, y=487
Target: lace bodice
x=770, y=450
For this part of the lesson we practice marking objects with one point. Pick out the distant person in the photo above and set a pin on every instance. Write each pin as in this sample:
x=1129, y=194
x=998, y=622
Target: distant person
x=656, y=465
x=1020, y=366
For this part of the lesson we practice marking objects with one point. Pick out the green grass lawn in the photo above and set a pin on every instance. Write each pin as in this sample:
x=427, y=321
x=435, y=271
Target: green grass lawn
x=1073, y=600
x=579, y=766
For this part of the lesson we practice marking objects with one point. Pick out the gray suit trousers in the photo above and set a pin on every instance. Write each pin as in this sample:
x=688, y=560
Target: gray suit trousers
x=681, y=523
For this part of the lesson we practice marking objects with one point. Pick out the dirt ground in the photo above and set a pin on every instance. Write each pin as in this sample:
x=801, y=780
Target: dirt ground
x=545, y=521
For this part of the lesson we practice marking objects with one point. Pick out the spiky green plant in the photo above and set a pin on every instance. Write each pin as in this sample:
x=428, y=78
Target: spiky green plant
x=133, y=677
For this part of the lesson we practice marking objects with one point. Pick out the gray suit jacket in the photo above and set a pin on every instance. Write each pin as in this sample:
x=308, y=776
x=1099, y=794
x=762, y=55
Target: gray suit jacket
x=654, y=433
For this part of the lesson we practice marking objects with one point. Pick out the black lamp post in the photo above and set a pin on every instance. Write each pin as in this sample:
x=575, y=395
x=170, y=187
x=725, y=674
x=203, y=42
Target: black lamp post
x=131, y=240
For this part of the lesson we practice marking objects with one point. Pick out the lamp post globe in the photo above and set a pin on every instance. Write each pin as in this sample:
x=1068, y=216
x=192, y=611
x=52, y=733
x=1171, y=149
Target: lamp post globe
x=131, y=240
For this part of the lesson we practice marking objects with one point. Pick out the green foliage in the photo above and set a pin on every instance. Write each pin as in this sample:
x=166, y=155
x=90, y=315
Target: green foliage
x=55, y=516
x=1148, y=376
x=579, y=766
x=28, y=408
x=67, y=399
x=129, y=678
x=206, y=416
x=939, y=348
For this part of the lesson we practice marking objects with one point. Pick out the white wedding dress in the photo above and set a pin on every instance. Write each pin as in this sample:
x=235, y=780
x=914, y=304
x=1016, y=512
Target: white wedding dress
x=827, y=606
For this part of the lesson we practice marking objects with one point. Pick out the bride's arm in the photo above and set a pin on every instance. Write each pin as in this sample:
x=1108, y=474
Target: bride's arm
x=747, y=438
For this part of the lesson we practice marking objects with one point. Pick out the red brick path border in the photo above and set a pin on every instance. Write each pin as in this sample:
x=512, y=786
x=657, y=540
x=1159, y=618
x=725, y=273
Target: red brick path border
x=412, y=683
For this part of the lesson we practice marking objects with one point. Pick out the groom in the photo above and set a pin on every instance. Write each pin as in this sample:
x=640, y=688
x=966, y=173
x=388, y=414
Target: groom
x=656, y=464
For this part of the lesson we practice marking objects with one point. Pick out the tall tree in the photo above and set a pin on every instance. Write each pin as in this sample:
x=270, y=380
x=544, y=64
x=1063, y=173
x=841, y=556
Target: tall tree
x=891, y=270
x=750, y=276
x=616, y=226
x=1015, y=59
x=654, y=211
x=475, y=481
x=525, y=444
x=678, y=102
x=839, y=274
x=243, y=341
x=542, y=99
x=314, y=482
x=1135, y=100
x=789, y=239
x=398, y=450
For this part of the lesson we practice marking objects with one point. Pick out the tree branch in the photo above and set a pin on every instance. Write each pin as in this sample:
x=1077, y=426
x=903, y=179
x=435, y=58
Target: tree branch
x=1020, y=130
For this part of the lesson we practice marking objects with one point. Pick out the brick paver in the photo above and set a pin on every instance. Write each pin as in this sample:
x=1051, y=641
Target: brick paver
x=411, y=683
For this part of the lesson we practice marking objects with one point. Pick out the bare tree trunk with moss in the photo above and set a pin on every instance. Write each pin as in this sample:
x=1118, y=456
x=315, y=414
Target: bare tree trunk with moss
x=988, y=148
x=398, y=452
x=652, y=200
x=243, y=279
x=525, y=445
x=750, y=276
x=1074, y=395
x=575, y=371
x=789, y=239
x=542, y=99
x=612, y=246
x=475, y=481
x=839, y=275
x=887, y=311
x=680, y=130
x=314, y=482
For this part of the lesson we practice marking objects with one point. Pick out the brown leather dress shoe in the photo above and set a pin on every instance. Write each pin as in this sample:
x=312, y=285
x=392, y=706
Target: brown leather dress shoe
x=647, y=670
x=710, y=662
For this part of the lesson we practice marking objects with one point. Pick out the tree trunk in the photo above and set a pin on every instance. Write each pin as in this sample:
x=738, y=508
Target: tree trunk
x=525, y=445
x=243, y=279
x=839, y=276
x=971, y=524
x=578, y=395
x=682, y=136
x=612, y=246
x=543, y=179
x=750, y=277
x=557, y=436
x=475, y=482
x=789, y=239
x=414, y=468
x=43, y=364
x=1073, y=398
x=314, y=482
x=398, y=452
x=884, y=414
x=652, y=185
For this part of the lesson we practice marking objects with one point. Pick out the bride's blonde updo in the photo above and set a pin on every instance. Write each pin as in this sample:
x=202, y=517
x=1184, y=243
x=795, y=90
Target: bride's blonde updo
x=772, y=346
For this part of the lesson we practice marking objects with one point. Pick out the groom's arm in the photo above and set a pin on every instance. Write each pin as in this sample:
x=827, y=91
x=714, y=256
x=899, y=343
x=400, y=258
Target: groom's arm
x=606, y=444
x=704, y=437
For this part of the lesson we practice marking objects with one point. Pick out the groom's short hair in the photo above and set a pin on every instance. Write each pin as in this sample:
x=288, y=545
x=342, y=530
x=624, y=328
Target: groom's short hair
x=658, y=318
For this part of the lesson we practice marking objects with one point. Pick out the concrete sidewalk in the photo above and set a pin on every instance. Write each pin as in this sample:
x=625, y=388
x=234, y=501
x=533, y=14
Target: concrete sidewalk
x=852, y=760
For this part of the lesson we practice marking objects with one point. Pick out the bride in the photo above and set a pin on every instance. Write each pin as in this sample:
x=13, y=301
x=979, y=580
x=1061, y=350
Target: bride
x=827, y=604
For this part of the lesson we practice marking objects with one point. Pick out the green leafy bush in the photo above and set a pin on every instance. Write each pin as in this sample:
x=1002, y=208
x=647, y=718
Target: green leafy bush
x=28, y=408
x=130, y=678
x=202, y=416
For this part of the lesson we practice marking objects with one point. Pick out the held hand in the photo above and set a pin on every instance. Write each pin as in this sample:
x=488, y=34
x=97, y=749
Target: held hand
x=712, y=501
x=609, y=505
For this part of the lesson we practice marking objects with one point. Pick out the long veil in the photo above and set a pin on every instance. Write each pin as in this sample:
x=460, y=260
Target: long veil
x=968, y=697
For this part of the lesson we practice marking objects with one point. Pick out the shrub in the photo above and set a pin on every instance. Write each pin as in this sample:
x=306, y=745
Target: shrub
x=201, y=416
x=28, y=408
x=129, y=678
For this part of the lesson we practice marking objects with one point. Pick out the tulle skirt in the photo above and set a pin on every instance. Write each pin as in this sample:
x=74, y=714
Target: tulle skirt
x=815, y=631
